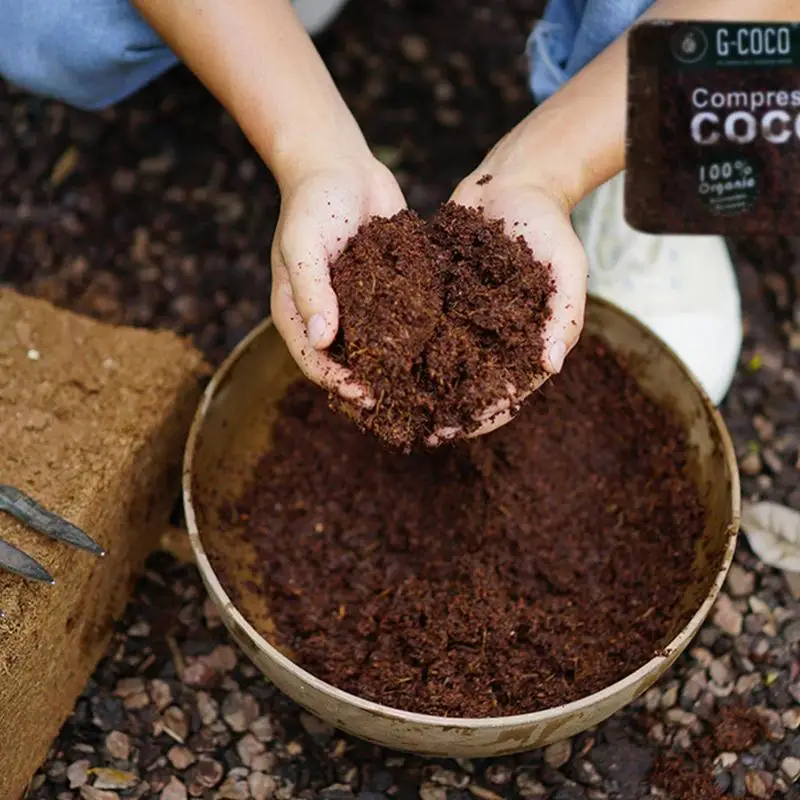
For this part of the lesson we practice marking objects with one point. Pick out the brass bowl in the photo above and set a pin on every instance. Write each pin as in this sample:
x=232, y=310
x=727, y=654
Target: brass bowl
x=232, y=430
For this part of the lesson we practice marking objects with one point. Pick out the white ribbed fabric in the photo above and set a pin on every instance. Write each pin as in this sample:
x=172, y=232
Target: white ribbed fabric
x=683, y=288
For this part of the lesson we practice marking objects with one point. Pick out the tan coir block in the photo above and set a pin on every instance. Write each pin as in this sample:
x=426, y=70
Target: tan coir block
x=93, y=420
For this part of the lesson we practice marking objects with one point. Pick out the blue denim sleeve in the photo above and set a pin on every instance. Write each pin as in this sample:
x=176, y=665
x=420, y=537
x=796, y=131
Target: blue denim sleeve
x=570, y=34
x=88, y=53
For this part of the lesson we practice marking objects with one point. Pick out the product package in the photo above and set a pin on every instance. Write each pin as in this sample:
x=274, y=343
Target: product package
x=713, y=138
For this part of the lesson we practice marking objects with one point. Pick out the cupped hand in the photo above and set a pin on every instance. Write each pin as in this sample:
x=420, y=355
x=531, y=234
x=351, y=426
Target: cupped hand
x=320, y=212
x=542, y=218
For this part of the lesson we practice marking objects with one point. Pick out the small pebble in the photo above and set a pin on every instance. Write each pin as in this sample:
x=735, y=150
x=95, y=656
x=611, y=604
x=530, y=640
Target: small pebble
x=264, y=762
x=248, y=747
x=118, y=745
x=726, y=760
x=670, y=696
x=657, y=734
x=449, y=778
x=773, y=724
x=139, y=630
x=263, y=729
x=239, y=710
x=174, y=790
x=791, y=633
x=791, y=719
x=677, y=716
x=723, y=781
x=790, y=767
x=586, y=773
x=702, y=655
x=499, y=774
x=207, y=772
x=726, y=616
x=175, y=724
x=261, y=786
x=556, y=755
x=233, y=789
x=198, y=673
x=746, y=684
x=315, y=727
x=160, y=693
x=750, y=463
x=528, y=787
x=129, y=686
x=78, y=773
x=294, y=749
x=57, y=771
x=692, y=689
x=759, y=784
x=720, y=673
x=222, y=658
x=652, y=699
x=682, y=740
x=482, y=793
x=208, y=708
x=430, y=791
x=90, y=793
x=414, y=48
x=136, y=701
x=181, y=757
x=740, y=582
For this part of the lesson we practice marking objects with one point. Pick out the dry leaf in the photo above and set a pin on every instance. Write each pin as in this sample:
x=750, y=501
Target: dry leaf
x=109, y=778
x=773, y=531
x=65, y=166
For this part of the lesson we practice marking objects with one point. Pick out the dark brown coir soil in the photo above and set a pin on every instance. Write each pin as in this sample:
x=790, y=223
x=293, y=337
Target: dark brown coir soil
x=690, y=775
x=438, y=318
x=506, y=574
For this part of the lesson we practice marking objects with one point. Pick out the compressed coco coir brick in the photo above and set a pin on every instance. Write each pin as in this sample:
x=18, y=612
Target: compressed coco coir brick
x=502, y=575
x=438, y=319
x=92, y=420
x=713, y=134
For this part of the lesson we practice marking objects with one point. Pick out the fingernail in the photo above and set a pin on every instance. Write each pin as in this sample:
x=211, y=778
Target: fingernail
x=557, y=354
x=316, y=330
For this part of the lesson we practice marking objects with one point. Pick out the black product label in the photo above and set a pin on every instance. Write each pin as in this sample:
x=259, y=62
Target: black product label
x=713, y=144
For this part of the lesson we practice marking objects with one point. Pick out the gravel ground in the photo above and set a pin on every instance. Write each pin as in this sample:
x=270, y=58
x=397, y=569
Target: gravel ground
x=158, y=213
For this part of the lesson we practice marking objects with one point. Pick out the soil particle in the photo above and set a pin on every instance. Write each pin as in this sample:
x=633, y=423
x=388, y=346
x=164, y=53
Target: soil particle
x=683, y=780
x=738, y=729
x=470, y=581
x=438, y=319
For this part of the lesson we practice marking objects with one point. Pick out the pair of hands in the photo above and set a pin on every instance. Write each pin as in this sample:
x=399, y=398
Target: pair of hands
x=321, y=210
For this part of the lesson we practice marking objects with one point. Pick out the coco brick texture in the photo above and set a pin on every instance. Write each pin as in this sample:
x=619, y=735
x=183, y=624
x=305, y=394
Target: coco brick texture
x=714, y=129
x=92, y=420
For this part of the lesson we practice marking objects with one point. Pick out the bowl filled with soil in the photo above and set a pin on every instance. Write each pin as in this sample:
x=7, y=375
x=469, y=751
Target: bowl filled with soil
x=487, y=597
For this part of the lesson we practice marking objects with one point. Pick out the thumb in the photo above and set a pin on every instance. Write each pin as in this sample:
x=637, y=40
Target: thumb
x=314, y=235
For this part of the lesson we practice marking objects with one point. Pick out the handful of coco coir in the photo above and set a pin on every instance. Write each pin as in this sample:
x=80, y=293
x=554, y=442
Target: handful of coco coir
x=438, y=318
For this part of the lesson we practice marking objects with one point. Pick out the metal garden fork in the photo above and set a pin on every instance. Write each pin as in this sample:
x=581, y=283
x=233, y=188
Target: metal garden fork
x=30, y=513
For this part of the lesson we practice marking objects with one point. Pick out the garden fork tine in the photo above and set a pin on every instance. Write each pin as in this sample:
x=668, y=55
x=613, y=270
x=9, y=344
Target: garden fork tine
x=14, y=560
x=30, y=513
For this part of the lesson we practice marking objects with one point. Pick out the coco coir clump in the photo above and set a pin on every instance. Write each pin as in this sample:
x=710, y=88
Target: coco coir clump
x=714, y=128
x=507, y=574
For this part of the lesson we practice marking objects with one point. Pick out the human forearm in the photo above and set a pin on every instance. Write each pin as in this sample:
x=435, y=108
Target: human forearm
x=575, y=141
x=255, y=57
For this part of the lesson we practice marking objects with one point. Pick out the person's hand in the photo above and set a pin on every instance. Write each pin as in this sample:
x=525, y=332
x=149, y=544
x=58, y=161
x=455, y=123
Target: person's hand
x=320, y=212
x=541, y=216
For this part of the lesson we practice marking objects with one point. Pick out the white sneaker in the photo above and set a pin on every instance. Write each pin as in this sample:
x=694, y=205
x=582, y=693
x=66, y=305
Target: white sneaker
x=683, y=288
x=316, y=15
